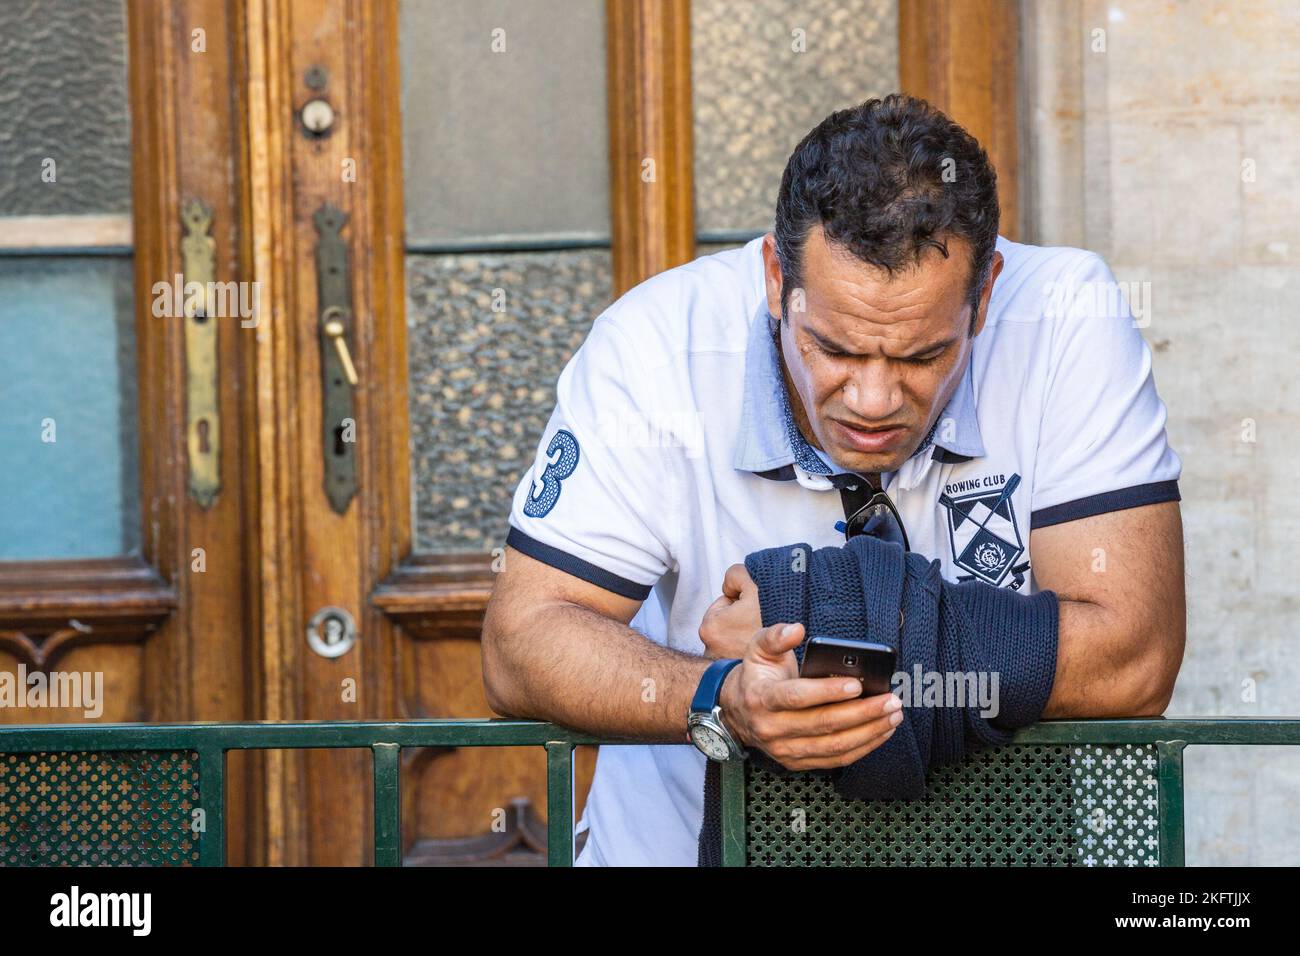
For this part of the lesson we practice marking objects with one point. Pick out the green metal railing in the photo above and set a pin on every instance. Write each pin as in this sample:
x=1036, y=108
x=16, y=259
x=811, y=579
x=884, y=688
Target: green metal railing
x=210, y=742
x=1045, y=744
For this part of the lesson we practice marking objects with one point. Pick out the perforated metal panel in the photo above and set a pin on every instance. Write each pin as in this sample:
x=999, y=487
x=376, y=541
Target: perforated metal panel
x=1020, y=805
x=120, y=808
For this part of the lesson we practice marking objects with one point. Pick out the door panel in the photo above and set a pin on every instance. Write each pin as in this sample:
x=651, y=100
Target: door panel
x=118, y=114
x=507, y=240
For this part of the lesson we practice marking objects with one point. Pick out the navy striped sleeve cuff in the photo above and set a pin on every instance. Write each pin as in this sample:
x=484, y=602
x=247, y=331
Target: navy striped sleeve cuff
x=576, y=566
x=1132, y=497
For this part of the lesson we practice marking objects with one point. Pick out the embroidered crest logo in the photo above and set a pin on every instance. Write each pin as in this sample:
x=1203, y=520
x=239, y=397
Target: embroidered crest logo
x=983, y=530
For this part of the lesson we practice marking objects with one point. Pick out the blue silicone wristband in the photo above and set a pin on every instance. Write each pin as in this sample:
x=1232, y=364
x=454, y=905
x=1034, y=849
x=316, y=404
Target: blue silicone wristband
x=706, y=695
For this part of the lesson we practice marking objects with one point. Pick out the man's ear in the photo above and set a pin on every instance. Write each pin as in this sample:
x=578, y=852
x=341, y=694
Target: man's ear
x=772, y=275
x=986, y=293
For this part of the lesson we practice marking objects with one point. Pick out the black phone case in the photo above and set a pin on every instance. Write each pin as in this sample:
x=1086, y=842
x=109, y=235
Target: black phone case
x=873, y=664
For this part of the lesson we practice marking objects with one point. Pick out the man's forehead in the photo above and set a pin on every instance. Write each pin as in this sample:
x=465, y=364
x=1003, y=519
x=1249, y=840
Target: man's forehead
x=931, y=287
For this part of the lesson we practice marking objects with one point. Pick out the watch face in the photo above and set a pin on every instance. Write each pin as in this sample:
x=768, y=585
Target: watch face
x=711, y=742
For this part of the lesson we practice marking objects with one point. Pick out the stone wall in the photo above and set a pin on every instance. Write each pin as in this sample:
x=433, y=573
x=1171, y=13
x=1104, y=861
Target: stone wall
x=1165, y=136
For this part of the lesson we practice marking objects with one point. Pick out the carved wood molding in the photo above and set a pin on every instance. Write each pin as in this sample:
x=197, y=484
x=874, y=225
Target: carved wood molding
x=271, y=549
x=49, y=607
x=433, y=595
x=304, y=554
x=40, y=652
x=186, y=109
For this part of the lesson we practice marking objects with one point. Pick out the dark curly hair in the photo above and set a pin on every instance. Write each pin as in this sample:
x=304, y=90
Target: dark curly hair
x=873, y=176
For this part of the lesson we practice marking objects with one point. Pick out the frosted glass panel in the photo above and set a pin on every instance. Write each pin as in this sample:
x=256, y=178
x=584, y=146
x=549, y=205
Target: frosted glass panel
x=69, y=466
x=65, y=135
x=504, y=120
x=482, y=382
x=763, y=74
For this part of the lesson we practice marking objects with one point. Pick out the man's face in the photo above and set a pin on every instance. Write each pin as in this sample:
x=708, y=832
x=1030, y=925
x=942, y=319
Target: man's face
x=871, y=362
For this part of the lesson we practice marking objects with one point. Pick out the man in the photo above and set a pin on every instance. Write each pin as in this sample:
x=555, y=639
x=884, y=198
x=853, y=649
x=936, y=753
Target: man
x=999, y=393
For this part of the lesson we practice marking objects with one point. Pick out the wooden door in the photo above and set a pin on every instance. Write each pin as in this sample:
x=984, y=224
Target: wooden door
x=121, y=552
x=490, y=159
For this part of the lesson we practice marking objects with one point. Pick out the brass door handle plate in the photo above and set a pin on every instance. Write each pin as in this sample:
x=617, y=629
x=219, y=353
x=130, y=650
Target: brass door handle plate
x=339, y=377
x=202, y=409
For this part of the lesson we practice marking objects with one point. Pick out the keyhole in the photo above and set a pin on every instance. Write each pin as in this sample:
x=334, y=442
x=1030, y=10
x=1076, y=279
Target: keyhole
x=333, y=630
x=203, y=436
x=340, y=446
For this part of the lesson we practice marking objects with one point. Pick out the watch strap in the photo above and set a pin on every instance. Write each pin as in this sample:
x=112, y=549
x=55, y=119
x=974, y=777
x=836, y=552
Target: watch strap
x=710, y=687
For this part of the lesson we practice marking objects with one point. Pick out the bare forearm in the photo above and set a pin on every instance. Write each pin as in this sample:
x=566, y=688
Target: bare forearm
x=574, y=667
x=1105, y=669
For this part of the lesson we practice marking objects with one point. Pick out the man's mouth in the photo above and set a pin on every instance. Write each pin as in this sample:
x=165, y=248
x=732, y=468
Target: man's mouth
x=869, y=438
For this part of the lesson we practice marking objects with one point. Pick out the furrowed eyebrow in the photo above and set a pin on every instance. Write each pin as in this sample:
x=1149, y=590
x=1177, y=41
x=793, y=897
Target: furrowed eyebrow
x=827, y=344
x=927, y=350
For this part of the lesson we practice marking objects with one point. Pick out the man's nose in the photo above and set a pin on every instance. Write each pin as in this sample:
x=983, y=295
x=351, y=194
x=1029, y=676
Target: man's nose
x=873, y=393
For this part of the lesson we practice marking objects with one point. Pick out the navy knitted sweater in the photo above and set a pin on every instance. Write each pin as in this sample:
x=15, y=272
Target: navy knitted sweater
x=857, y=591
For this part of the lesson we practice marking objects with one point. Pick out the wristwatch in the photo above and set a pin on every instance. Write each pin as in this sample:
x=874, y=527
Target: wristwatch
x=704, y=726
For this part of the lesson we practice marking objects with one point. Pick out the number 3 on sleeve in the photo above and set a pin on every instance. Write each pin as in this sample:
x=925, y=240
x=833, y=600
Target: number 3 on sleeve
x=562, y=458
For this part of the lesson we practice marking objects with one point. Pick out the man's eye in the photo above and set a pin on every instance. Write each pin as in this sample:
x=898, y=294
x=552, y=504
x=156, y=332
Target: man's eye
x=923, y=360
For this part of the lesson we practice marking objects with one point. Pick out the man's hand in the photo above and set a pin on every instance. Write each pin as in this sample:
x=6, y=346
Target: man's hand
x=731, y=620
x=803, y=723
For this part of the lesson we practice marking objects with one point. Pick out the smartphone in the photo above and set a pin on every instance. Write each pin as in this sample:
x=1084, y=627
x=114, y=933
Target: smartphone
x=871, y=663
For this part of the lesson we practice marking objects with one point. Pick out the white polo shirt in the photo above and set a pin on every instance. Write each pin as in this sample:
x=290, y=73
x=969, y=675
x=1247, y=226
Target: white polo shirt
x=672, y=454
